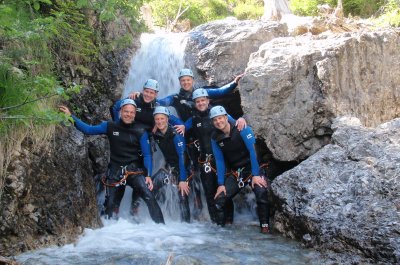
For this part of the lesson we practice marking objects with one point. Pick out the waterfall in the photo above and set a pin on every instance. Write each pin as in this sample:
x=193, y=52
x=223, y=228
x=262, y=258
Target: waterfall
x=160, y=57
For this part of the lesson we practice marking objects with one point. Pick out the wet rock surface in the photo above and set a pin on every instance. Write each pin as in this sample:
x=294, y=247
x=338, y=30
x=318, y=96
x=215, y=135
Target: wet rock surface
x=345, y=198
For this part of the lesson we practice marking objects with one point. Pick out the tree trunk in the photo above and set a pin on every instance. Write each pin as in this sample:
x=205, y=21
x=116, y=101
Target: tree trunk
x=274, y=9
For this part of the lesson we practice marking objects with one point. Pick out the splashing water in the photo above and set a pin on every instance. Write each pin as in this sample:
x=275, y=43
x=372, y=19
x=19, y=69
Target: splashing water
x=160, y=57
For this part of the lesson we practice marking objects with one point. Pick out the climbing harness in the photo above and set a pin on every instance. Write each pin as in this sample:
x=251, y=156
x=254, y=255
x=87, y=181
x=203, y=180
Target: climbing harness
x=124, y=176
x=240, y=179
x=207, y=164
x=196, y=144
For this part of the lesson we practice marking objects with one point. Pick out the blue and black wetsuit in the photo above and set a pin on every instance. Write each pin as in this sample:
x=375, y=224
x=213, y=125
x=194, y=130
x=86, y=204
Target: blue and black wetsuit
x=144, y=113
x=184, y=106
x=236, y=152
x=127, y=141
x=173, y=146
x=201, y=125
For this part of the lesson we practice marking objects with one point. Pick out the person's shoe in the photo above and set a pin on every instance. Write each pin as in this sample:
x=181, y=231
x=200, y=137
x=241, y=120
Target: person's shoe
x=264, y=229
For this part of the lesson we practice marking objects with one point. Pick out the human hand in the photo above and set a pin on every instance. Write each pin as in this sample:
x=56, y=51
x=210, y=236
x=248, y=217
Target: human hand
x=260, y=181
x=241, y=124
x=237, y=78
x=134, y=95
x=183, y=187
x=64, y=109
x=180, y=129
x=149, y=183
x=221, y=189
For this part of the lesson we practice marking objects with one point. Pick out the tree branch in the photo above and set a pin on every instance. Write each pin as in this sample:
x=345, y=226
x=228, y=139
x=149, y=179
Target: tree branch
x=26, y=102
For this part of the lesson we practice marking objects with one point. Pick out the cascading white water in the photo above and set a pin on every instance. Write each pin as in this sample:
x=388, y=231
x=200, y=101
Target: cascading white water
x=127, y=242
x=160, y=57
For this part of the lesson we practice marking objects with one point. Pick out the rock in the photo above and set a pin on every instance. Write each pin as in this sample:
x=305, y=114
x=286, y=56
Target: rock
x=345, y=197
x=220, y=50
x=294, y=87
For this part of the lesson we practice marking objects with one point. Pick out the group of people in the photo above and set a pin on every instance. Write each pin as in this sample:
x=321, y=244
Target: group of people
x=203, y=138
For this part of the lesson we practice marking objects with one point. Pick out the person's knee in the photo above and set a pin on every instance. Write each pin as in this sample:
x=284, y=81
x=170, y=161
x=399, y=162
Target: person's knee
x=261, y=195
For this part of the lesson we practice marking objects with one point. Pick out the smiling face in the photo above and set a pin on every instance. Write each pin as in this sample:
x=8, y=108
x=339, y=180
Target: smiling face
x=186, y=82
x=202, y=103
x=161, y=121
x=221, y=122
x=128, y=113
x=149, y=95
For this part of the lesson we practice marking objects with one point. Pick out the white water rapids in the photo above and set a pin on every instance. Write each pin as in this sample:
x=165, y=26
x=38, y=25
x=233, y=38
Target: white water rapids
x=128, y=242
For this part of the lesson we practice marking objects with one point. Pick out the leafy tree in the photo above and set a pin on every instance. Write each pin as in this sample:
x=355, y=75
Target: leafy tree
x=363, y=8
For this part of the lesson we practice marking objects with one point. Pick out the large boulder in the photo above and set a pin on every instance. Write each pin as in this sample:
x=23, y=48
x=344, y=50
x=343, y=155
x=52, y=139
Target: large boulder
x=220, y=49
x=295, y=86
x=345, y=198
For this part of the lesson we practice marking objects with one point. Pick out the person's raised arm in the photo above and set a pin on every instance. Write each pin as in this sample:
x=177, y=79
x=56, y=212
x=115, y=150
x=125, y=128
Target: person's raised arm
x=224, y=90
x=84, y=127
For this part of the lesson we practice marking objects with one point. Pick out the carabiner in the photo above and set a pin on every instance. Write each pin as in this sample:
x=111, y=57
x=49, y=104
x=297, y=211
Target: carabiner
x=241, y=183
x=123, y=183
x=166, y=180
x=207, y=168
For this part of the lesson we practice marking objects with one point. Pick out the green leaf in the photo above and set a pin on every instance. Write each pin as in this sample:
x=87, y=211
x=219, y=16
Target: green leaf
x=36, y=6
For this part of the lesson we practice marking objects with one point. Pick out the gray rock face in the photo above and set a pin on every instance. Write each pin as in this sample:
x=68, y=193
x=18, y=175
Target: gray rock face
x=49, y=196
x=220, y=50
x=345, y=198
x=294, y=87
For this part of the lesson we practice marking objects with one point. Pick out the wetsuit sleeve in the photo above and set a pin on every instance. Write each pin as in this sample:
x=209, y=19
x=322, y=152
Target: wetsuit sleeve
x=90, y=129
x=173, y=120
x=167, y=101
x=228, y=88
x=249, y=140
x=230, y=119
x=146, y=151
x=179, y=143
x=188, y=124
x=115, y=110
x=219, y=159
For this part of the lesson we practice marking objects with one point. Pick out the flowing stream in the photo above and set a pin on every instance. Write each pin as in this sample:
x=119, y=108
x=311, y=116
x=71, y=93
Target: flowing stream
x=139, y=240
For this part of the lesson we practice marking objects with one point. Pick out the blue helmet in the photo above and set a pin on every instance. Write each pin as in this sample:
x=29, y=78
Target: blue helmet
x=161, y=110
x=128, y=101
x=151, y=84
x=217, y=111
x=200, y=92
x=185, y=72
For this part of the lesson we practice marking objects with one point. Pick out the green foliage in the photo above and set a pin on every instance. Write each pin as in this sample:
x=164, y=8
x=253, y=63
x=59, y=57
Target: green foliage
x=253, y=9
x=391, y=14
x=362, y=8
x=201, y=11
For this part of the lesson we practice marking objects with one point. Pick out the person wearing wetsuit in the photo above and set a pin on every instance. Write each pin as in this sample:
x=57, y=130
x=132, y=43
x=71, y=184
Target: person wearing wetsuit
x=126, y=166
x=235, y=151
x=146, y=103
x=172, y=145
x=200, y=123
x=184, y=106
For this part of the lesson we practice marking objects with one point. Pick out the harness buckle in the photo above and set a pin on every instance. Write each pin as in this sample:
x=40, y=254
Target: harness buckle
x=241, y=183
x=197, y=145
x=166, y=180
x=207, y=168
